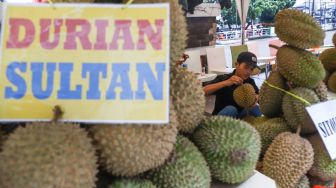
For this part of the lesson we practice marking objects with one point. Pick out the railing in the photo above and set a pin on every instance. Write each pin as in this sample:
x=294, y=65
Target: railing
x=250, y=33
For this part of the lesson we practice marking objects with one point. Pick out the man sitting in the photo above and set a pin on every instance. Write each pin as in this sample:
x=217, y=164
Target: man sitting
x=224, y=85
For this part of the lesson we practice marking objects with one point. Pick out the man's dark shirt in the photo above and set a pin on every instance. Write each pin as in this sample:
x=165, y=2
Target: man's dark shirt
x=224, y=96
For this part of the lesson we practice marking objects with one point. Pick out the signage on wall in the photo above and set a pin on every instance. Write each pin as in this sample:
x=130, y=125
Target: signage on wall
x=100, y=63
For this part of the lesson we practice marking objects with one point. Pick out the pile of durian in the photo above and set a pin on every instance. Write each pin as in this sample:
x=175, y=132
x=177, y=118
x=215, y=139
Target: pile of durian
x=328, y=59
x=186, y=153
x=292, y=152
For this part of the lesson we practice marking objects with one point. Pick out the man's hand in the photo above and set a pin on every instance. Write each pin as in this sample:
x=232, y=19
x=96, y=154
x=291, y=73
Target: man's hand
x=235, y=80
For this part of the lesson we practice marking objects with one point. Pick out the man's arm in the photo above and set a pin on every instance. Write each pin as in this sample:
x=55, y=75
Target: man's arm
x=212, y=88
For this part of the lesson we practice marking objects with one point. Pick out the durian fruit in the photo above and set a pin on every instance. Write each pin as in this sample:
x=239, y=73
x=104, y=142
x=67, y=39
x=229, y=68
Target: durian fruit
x=323, y=168
x=295, y=112
x=230, y=146
x=245, y=95
x=249, y=119
x=332, y=82
x=307, y=33
x=321, y=91
x=186, y=168
x=270, y=99
x=287, y=159
x=3, y=137
x=315, y=181
x=178, y=28
x=303, y=182
x=268, y=130
x=255, y=120
x=325, y=80
x=132, y=183
x=259, y=166
x=328, y=59
x=67, y=1
x=300, y=66
x=334, y=39
x=128, y=150
x=188, y=98
x=48, y=155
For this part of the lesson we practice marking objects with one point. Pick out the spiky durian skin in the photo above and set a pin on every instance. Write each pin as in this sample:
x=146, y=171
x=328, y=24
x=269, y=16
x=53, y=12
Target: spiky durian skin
x=323, y=168
x=321, y=91
x=230, y=146
x=303, y=182
x=300, y=66
x=332, y=82
x=178, y=28
x=270, y=99
x=269, y=129
x=48, y=155
x=132, y=183
x=3, y=137
x=188, y=98
x=130, y=149
x=287, y=159
x=307, y=33
x=186, y=168
x=328, y=59
x=245, y=95
x=295, y=112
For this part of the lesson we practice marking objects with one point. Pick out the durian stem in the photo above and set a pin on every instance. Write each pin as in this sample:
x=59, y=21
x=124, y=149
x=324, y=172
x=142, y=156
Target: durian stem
x=274, y=46
x=57, y=113
x=298, y=130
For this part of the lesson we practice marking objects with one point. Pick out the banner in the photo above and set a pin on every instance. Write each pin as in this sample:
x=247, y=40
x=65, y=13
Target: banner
x=99, y=63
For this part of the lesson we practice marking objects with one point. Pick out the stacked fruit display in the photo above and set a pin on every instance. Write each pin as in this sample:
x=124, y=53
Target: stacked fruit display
x=297, y=83
x=328, y=59
x=182, y=154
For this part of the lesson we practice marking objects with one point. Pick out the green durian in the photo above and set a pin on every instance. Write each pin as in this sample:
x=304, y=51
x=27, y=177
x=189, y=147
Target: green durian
x=321, y=91
x=245, y=95
x=323, y=168
x=268, y=130
x=287, y=159
x=178, y=28
x=230, y=146
x=188, y=98
x=295, y=112
x=303, y=182
x=328, y=59
x=298, y=29
x=48, y=155
x=132, y=183
x=332, y=82
x=300, y=66
x=128, y=150
x=186, y=168
x=270, y=98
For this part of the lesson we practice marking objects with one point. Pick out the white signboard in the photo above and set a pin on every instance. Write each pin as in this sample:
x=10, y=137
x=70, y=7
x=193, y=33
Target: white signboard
x=257, y=180
x=324, y=117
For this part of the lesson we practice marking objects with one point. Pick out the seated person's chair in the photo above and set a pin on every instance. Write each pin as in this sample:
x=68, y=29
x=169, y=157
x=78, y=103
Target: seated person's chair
x=235, y=51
